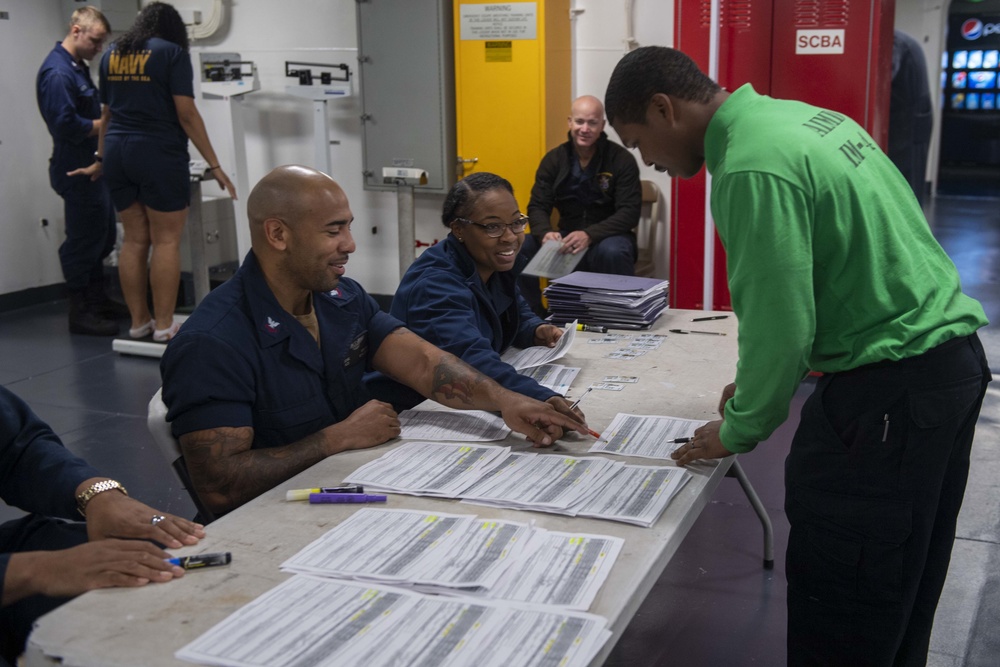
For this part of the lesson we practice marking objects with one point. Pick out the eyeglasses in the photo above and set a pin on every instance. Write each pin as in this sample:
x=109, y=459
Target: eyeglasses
x=496, y=229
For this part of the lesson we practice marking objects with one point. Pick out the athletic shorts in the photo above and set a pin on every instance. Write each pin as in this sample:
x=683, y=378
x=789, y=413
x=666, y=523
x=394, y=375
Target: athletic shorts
x=151, y=171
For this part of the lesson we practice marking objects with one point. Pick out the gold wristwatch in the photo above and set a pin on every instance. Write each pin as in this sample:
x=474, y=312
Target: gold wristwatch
x=95, y=488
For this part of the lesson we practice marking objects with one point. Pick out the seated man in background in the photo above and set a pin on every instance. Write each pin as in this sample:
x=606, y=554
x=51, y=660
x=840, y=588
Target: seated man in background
x=265, y=378
x=594, y=185
x=44, y=561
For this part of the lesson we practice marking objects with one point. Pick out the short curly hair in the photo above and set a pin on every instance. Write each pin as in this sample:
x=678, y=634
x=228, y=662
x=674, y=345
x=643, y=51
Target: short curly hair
x=650, y=70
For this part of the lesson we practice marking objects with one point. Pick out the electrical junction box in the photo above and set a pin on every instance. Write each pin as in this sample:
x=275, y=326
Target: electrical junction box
x=406, y=76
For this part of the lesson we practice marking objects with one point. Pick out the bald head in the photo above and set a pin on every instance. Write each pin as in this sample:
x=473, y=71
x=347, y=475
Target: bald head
x=587, y=104
x=300, y=230
x=586, y=122
x=289, y=193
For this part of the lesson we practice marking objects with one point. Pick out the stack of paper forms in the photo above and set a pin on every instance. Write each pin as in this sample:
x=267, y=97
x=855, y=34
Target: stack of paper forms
x=619, y=302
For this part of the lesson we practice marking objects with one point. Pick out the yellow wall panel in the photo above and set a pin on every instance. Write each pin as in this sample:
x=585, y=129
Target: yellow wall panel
x=512, y=86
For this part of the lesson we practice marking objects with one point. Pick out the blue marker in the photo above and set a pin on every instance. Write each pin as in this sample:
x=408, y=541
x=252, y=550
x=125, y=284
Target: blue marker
x=202, y=560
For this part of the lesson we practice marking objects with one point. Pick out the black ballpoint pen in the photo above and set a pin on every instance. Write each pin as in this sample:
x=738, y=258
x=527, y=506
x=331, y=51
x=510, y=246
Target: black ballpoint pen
x=691, y=331
x=713, y=317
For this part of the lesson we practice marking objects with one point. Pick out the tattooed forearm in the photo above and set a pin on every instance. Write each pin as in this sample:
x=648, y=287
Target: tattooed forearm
x=455, y=382
x=409, y=359
x=227, y=473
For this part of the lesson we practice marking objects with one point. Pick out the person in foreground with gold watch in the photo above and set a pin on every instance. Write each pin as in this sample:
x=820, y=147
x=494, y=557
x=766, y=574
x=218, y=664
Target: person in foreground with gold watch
x=45, y=560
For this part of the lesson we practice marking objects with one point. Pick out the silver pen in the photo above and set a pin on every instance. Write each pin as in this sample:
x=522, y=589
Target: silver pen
x=577, y=401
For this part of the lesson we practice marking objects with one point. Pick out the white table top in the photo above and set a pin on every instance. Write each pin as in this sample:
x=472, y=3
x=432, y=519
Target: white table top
x=683, y=378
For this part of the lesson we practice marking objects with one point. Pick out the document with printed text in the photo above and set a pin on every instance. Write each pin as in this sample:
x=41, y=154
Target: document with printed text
x=548, y=262
x=539, y=354
x=452, y=425
x=644, y=435
x=636, y=494
x=415, y=547
x=309, y=621
x=429, y=468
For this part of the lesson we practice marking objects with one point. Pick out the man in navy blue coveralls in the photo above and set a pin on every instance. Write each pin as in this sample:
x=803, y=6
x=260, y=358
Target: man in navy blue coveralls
x=70, y=106
x=265, y=379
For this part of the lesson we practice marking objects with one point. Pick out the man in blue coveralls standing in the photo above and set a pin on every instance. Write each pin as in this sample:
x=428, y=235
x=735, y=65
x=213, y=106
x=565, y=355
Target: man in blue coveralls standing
x=71, y=108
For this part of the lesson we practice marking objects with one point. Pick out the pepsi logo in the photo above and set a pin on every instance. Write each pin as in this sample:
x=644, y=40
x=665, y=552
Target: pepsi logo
x=972, y=29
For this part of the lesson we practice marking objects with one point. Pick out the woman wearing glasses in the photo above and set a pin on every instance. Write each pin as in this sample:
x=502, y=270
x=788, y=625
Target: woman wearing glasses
x=462, y=294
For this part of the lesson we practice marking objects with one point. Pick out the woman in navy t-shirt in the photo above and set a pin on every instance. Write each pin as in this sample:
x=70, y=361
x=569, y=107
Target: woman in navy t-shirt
x=147, y=88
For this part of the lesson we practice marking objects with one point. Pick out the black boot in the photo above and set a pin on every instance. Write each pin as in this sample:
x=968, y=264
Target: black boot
x=103, y=305
x=83, y=320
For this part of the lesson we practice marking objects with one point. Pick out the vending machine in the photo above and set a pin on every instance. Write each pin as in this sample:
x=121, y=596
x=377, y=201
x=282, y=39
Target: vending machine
x=836, y=54
x=970, y=76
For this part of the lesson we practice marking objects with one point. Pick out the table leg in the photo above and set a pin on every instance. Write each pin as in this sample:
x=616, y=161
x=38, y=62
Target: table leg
x=737, y=471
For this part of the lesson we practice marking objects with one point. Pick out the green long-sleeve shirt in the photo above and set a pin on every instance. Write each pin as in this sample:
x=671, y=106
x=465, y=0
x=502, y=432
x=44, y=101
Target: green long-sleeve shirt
x=831, y=262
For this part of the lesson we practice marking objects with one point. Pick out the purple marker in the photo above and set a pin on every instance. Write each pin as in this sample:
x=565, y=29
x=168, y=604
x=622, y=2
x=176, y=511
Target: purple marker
x=315, y=498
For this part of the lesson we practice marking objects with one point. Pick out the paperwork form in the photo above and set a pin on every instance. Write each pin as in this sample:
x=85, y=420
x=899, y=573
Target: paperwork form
x=414, y=547
x=495, y=476
x=315, y=622
x=565, y=570
x=429, y=468
x=462, y=425
x=548, y=483
x=548, y=263
x=556, y=377
x=644, y=435
x=461, y=554
x=539, y=354
x=636, y=494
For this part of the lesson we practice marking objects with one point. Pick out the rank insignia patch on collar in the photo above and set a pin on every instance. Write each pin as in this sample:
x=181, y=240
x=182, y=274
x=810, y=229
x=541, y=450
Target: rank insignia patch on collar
x=272, y=326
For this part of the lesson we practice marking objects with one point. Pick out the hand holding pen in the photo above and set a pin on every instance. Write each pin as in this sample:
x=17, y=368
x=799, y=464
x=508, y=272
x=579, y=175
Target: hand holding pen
x=705, y=444
x=576, y=403
x=569, y=409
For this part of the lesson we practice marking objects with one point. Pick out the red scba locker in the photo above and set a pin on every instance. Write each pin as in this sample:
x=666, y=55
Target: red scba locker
x=836, y=54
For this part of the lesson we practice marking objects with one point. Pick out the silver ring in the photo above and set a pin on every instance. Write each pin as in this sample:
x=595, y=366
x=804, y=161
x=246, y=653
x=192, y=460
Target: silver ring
x=157, y=518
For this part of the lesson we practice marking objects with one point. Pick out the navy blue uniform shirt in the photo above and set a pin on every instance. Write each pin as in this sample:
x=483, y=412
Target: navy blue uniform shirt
x=37, y=473
x=69, y=104
x=140, y=87
x=442, y=299
x=242, y=360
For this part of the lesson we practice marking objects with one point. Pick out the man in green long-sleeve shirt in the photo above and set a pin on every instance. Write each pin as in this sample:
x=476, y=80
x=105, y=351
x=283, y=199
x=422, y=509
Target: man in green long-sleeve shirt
x=832, y=268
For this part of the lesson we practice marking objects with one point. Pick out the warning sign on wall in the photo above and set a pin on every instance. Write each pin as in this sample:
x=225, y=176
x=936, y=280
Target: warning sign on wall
x=499, y=21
